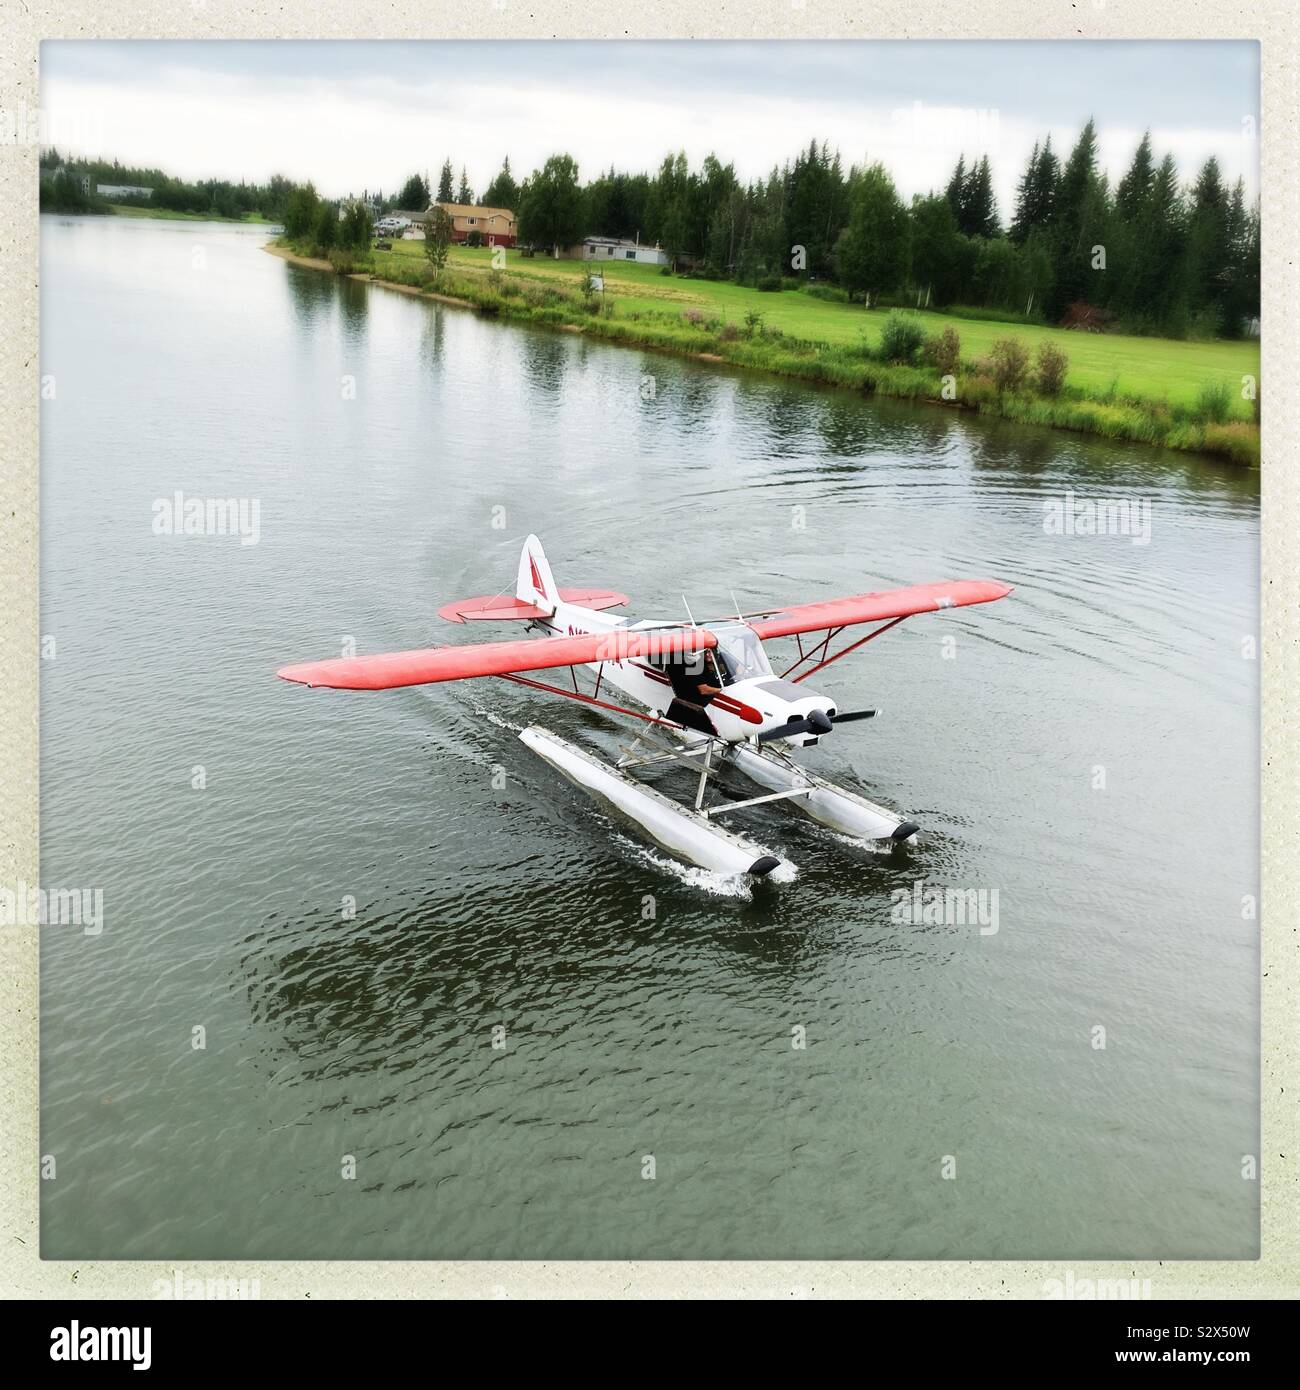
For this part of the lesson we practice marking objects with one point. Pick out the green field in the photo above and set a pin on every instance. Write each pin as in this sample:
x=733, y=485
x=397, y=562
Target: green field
x=1155, y=369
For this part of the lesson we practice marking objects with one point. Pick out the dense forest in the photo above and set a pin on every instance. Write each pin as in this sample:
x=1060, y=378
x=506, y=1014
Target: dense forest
x=1151, y=253
x=1154, y=254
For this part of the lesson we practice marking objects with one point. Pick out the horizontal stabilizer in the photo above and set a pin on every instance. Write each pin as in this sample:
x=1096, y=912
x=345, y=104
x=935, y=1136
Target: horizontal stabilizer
x=502, y=608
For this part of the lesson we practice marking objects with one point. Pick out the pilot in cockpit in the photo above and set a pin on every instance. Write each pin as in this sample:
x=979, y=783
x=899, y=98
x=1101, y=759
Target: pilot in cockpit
x=696, y=679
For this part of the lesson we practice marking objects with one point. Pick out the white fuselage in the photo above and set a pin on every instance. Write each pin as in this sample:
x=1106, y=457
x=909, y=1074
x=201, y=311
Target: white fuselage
x=728, y=692
x=753, y=699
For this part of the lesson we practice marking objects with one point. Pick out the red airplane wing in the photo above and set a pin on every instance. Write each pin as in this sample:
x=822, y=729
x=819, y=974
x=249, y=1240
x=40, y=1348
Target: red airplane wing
x=390, y=669
x=871, y=608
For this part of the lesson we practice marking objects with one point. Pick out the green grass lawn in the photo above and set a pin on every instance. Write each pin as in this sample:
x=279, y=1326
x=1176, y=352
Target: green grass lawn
x=1148, y=368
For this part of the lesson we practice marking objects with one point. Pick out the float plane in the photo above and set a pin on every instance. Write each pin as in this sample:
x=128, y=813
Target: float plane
x=707, y=697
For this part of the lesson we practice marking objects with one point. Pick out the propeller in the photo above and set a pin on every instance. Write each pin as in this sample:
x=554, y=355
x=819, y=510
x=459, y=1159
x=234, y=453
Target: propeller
x=816, y=722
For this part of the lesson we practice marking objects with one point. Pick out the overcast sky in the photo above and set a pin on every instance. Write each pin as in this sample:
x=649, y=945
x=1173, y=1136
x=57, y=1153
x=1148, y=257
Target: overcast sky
x=365, y=115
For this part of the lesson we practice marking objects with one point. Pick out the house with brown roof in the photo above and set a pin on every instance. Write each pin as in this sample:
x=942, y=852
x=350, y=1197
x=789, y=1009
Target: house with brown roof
x=495, y=226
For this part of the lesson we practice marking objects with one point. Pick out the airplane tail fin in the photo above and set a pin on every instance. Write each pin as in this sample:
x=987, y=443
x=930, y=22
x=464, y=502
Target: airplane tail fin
x=535, y=583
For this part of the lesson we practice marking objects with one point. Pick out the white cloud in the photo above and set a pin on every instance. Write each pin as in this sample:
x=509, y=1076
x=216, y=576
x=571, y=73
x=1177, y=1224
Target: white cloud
x=349, y=128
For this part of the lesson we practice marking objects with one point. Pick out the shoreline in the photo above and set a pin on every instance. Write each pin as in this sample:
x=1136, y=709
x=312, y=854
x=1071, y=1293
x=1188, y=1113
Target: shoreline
x=134, y=214
x=316, y=263
x=1127, y=422
x=147, y=214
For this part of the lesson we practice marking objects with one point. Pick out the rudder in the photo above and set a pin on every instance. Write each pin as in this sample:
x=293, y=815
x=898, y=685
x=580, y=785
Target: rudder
x=535, y=583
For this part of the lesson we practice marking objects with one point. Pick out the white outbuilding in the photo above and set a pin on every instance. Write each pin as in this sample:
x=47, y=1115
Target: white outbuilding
x=608, y=248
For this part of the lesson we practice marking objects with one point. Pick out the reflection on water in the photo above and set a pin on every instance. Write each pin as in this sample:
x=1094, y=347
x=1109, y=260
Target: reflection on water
x=406, y=940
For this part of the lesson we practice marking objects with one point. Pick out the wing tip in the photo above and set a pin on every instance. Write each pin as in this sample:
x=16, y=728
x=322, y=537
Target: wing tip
x=298, y=675
x=989, y=590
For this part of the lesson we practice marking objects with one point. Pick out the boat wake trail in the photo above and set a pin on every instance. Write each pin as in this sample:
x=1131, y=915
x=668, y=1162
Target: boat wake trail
x=497, y=720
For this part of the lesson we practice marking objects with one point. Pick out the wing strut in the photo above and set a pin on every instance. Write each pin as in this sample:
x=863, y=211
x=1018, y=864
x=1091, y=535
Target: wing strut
x=823, y=646
x=578, y=695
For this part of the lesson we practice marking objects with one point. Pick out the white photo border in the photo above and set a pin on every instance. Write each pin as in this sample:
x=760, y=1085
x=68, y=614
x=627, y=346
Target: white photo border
x=1273, y=23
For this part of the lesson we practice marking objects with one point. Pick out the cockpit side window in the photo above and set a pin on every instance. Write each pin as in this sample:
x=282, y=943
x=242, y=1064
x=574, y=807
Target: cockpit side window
x=740, y=655
x=699, y=665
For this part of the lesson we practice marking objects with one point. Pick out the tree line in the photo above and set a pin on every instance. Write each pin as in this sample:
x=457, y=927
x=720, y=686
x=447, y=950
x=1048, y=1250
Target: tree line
x=1151, y=254
x=207, y=197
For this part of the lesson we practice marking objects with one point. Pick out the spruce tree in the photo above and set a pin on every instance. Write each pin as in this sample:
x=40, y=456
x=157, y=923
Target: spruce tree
x=1237, y=307
x=1076, y=217
x=1036, y=193
x=979, y=207
x=1135, y=187
x=1160, y=295
x=1022, y=218
x=1209, y=242
x=503, y=191
x=956, y=192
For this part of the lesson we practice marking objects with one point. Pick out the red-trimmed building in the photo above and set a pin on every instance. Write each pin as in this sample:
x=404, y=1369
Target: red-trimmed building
x=495, y=226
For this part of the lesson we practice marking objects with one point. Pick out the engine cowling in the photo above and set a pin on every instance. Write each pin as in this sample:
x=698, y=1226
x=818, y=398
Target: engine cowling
x=762, y=706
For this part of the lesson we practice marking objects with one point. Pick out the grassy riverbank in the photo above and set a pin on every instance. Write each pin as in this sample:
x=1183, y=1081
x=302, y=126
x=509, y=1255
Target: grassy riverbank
x=1181, y=395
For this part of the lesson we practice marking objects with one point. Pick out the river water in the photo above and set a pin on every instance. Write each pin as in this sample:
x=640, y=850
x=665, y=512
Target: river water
x=238, y=1066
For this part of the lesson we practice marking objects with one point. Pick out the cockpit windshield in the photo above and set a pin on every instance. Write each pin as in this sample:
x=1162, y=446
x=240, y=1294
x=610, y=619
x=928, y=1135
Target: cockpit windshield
x=740, y=654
